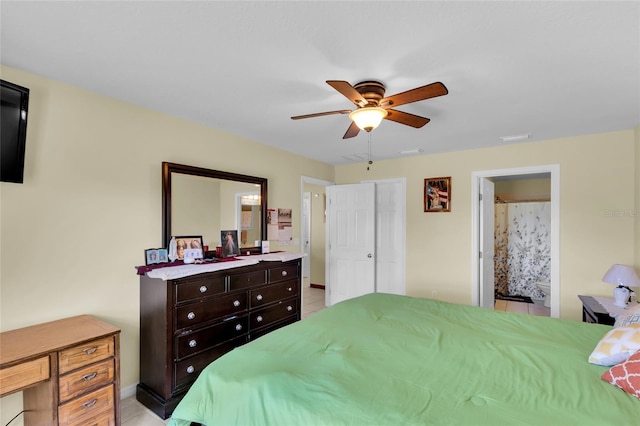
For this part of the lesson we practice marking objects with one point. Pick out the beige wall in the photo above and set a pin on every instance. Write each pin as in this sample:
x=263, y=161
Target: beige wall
x=523, y=189
x=598, y=176
x=91, y=203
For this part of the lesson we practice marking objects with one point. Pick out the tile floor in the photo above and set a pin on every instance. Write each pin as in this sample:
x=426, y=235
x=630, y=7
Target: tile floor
x=135, y=414
x=536, y=309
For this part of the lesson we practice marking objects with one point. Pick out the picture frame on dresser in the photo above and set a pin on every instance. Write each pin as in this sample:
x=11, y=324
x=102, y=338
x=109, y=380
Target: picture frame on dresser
x=189, y=247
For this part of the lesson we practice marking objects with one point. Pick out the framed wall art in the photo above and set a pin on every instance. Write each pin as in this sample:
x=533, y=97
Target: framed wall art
x=437, y=194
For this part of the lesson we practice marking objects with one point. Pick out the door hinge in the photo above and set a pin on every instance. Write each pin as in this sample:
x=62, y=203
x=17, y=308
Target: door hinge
x=480, y=196
x=480, y=254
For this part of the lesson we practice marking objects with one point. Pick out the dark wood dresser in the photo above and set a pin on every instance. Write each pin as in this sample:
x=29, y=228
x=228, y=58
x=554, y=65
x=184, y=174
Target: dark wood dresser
x=187, y=323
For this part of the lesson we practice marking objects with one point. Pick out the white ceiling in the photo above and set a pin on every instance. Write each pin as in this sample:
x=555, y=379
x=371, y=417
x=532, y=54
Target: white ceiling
x=548, y=69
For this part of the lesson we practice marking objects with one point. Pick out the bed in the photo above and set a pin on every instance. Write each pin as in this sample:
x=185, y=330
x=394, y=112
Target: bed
x=384, y=359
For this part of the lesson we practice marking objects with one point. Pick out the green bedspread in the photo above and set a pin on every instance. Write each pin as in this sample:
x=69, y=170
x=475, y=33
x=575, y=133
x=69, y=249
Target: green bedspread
x=393, y=360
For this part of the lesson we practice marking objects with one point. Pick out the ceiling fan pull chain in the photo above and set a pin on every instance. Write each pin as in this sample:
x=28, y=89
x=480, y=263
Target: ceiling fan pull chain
x=369, y=143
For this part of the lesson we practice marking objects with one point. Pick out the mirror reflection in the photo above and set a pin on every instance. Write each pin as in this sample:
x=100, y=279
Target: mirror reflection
x=206, y=202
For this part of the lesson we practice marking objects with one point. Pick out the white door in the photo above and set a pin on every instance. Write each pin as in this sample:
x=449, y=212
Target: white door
x=351, y=246
x=487, y=229
x=390, y=236
x=306, y=238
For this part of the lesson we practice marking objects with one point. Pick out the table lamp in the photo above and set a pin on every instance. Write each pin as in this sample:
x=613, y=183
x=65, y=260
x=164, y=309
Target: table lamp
x=623, y=276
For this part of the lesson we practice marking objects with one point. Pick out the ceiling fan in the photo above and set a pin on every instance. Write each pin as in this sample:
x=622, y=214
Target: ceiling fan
x=373, y=107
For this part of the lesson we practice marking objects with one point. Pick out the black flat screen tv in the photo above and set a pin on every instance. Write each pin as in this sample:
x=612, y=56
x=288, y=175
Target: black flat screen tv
x=14, y=101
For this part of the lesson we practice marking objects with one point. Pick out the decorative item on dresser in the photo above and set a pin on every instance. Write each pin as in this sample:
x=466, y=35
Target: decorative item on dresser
x=68, y=370
x=624, y=276
x=187, y=322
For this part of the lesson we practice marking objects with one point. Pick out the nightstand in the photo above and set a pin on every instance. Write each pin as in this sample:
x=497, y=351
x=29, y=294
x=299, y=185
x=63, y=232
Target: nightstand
x=594, y=312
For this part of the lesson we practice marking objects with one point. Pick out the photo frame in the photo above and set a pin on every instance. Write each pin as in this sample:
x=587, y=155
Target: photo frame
x=229, y=241
x=437, y=194
x=189, y=247
x=154, y=256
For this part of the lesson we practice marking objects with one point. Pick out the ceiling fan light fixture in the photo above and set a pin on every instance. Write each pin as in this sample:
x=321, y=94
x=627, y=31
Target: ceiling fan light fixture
x=368, y=118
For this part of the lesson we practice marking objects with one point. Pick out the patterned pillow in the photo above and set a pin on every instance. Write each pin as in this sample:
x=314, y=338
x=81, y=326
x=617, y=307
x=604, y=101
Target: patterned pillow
x=616, y=346
x=631, y=316
x=626, y=375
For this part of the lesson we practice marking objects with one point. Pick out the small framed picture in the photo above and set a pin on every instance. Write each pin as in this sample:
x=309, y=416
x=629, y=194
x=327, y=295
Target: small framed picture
x=151, y=256
x=437, y=194
x=229, y=241
x=189, y=247
x=163, y=255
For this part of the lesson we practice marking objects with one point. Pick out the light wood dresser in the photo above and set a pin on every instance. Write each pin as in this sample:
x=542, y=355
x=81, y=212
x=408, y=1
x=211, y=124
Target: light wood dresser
x=68, y=370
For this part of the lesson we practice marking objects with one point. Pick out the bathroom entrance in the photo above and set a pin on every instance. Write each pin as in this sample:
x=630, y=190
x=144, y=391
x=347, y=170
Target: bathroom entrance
x=516, y=239
x=522, y=243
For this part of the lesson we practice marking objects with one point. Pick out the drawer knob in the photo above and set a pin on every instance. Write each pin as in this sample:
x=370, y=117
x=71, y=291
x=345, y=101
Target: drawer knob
x=238, y=327
x=289, y=289
x=90, y=404
x=191, y=315
x=248, y=279
x=89, y=351
x=190, y=369
x=192, y=343
x=259, y=319
x=259, y=297
x=284, y=273
x=203, y=289
x=88, y=377
x=289, y=308
x=236, y=303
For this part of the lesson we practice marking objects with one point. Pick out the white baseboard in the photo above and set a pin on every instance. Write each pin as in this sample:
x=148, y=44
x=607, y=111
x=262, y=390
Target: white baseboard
x=128, y=391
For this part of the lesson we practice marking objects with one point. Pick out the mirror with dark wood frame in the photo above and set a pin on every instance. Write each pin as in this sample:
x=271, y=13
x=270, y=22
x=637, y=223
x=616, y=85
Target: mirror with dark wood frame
x=199, y=201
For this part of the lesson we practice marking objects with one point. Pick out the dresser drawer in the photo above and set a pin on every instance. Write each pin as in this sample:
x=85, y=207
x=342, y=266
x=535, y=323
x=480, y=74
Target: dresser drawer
x=83, y=410
x=273, y=313
x=195, y=289
x=197, y=313
x=273, y=293
x=203, y=339
x=185, y=372
x=248, y=279
x=284, y=272
x=85, y=379
x=85, y=354
x=22, y=375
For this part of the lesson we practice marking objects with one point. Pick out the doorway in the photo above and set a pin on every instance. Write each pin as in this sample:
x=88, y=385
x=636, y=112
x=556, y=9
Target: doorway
x=312, y=234
x=483, y=231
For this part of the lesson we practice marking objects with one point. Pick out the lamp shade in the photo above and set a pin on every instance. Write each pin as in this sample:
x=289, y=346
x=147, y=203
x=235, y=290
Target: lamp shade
x=368, y=118
x=622, y=275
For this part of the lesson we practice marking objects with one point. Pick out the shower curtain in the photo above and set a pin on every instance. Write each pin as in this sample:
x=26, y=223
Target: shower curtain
x=522, y=248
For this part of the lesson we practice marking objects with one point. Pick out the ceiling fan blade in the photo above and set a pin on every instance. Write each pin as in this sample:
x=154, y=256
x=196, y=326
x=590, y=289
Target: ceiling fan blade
x=348, y=91
x=352, y=131
x=418, y=94
x=319, y=114
x=406, y=118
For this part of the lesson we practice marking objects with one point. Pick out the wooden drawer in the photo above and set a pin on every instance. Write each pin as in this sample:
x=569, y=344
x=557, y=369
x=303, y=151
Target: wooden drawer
x=85, y=354
x=194, y=314
x=274, y=326
x=273, y=293
x=195, y=289
x=248, y=279
x=203, y=339
x=284, y=272
x=185, y=372
x=87, y=408
x=22, y=375
x=269, y=315
x=85, y=379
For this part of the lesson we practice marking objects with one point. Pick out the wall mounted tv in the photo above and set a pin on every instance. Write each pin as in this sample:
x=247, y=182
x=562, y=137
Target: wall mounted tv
x=14, y=101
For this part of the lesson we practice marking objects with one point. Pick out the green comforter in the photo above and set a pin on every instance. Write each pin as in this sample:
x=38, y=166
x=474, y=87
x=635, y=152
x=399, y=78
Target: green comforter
x=393, y=360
